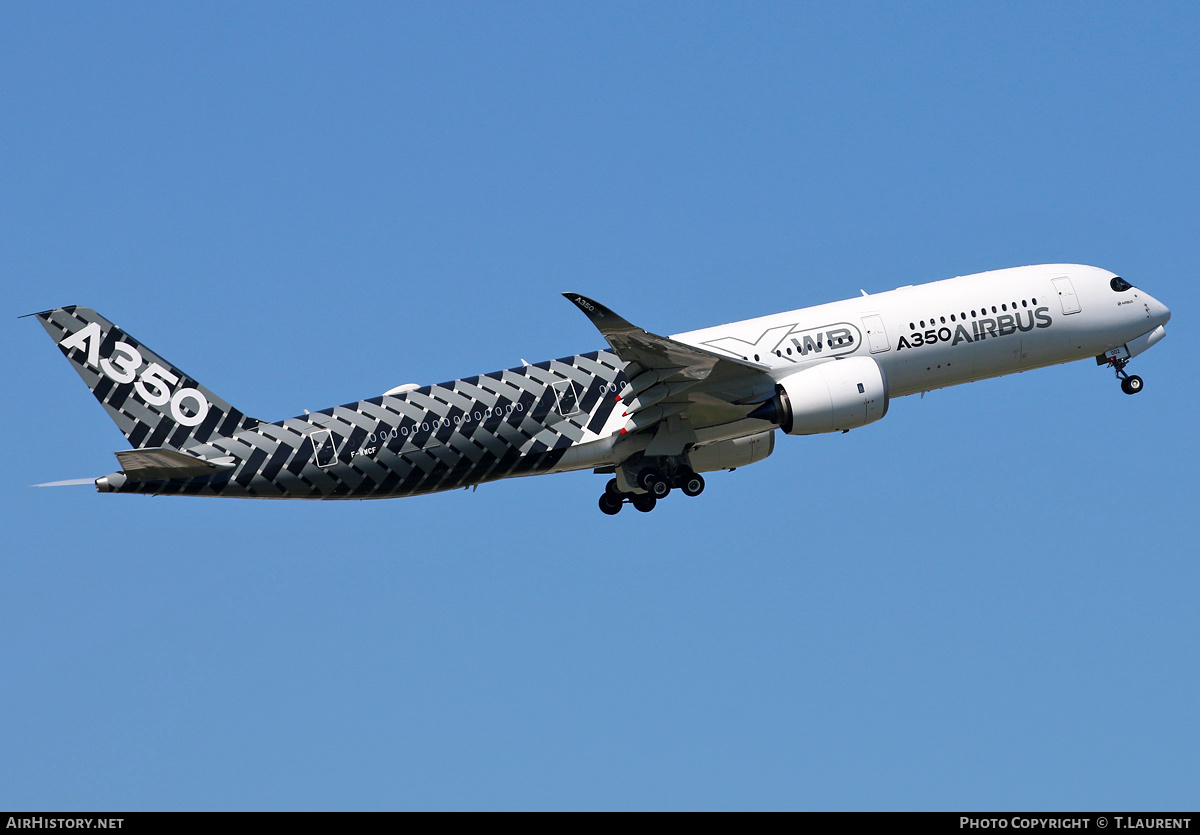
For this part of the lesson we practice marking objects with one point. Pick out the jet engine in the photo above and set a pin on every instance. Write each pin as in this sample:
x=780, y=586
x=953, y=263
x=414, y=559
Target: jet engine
x=830, y=397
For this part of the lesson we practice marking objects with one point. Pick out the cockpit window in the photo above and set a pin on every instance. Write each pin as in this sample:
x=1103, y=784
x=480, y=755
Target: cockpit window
x=1120, y=285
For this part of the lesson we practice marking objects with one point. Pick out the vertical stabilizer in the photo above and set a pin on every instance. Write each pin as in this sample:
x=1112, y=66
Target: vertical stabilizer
x=153, y=403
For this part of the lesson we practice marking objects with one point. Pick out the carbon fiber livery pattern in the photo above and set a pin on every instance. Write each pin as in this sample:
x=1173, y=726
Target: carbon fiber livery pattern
x=519, y=421
x=439, y=437
x=143, y=424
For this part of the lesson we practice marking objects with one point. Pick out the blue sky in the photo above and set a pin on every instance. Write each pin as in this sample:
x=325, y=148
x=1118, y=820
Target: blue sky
x=987, y=600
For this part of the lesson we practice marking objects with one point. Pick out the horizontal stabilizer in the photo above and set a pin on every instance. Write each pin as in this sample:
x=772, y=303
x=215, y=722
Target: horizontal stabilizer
x=160, y=462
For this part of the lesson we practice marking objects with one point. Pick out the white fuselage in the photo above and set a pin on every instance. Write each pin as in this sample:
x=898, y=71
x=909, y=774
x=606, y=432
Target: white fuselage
x=923, y=337
x=940, y=334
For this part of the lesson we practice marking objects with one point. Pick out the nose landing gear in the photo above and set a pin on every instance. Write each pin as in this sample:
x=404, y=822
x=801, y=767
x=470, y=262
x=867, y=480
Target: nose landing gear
x=1130, y=383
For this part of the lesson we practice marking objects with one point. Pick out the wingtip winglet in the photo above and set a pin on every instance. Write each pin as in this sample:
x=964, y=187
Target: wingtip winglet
x=604, y=319
x=588, y=306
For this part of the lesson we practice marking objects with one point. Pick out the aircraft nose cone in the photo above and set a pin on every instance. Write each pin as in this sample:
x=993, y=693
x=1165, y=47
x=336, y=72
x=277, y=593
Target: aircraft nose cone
x=1159, y=312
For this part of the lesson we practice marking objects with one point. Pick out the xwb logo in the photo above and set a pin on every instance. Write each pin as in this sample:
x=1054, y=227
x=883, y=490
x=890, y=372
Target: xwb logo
x=789, y=341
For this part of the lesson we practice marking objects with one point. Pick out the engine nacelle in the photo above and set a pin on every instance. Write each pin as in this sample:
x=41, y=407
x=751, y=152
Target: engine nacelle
x=830, y=397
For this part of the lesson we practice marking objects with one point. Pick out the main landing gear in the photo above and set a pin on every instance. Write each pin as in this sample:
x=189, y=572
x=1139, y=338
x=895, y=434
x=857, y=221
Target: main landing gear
x=1130, y=383
x=656, y=484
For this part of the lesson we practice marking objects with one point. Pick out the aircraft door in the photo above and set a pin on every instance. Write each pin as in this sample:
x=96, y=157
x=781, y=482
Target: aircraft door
x=877, y=337
x=1066, y=295
x=324, y=448
x=566, y=397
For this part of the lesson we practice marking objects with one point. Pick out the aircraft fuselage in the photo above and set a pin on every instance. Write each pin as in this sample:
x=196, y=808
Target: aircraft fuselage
x=580, y=412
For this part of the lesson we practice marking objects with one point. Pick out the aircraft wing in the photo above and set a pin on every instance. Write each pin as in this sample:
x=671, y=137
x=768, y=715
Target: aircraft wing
x=669, y=378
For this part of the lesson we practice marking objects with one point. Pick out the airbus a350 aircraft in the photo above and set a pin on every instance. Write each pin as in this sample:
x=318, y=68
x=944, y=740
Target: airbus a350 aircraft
x=653, y=412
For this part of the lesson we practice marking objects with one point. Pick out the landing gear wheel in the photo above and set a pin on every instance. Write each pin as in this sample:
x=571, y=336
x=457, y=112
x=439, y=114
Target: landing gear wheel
x=646, y=476
x=610, y=505
x=612, y=488
x=692, y=484
x=644, y=502
x=652, y=482
x=1131, y=384
x=658, y=488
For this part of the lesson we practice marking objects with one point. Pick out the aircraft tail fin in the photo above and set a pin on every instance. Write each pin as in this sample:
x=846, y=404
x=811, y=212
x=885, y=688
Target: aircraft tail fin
x=153, y=403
